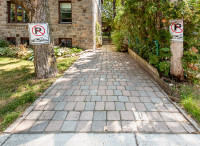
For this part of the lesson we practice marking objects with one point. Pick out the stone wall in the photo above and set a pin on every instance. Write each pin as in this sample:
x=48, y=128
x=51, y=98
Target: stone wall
x=82, y=30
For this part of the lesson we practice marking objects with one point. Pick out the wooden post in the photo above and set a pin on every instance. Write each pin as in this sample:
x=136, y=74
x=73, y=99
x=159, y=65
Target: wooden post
x=176, y=48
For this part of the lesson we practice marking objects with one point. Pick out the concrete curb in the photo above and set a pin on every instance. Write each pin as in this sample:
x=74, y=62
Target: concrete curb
x=30, y=108
x=153, y=73
x=106, y=139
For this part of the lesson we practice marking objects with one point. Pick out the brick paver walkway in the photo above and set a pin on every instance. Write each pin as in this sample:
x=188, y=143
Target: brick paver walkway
x=105, y=92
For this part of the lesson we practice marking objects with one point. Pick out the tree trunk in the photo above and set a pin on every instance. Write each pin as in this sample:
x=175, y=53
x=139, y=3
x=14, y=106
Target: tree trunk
x=114, y=8
x=44, y=58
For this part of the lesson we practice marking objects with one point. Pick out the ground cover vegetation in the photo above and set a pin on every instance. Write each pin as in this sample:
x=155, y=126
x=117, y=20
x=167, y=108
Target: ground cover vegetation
x=143, y=26
x=19, y=86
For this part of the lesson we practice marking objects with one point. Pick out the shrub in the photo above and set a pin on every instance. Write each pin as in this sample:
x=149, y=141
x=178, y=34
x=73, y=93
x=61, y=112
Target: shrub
x=191, y=64
x=164, y=67
x=120, y=41
x=20, y=51
x=4, y=43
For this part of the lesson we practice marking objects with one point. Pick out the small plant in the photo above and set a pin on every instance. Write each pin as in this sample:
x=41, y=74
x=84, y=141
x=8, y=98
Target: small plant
x=66, y=52
x=164, y=67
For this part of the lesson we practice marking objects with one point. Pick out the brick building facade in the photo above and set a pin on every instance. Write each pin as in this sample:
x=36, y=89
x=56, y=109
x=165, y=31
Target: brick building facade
x=73, y=22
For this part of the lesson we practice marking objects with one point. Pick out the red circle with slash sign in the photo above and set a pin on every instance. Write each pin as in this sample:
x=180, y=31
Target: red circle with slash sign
x=38, y=30
x=178, y=27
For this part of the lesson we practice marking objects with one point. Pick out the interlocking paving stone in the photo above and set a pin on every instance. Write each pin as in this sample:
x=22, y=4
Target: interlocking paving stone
x=188, y=127
x=99, y=106
x=60, y=115
x=123, y=98
x=114, y=126
x=98, y=126
x=34, y=115
x=130, y=106
x=127, y=115
x=145, y=99
x=175, y=127
x=168, y=116
x=50, y=106
x=129, y=126
x=70, y=106
x=39, y=126
x=144, y=126
x=69, y=126
x=80, y=106
x=150, y=107
x=84, y=126
x=141, y=116
x=25, y=125
x=100, y=115
x=96, y=98
x=86, y=115
x=110, y=106
x=73, y=115
x=161, y=107
x=90, y=106
x=113, y=115
x=134, y=99
x=47, y=115
x=160, y=127
x=105, y=92
x=140, y=107
x=112, y=98
x=54, y=126
x=179, y=117
x=60, y=106
x=120, y=106
x=154, y=116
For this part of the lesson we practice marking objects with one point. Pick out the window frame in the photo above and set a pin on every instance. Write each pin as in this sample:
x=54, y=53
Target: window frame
x=22, y=38
x=12, y=38
x=9, y=8
x=66, y=39
x=59, y=2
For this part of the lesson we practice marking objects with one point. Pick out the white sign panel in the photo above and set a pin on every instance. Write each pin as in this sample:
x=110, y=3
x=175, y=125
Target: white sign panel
x=39, y=33
x=176, y=30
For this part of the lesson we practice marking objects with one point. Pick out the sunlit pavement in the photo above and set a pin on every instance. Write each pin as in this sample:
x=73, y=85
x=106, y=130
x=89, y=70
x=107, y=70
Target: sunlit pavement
x=88, y=139
x=101, y=94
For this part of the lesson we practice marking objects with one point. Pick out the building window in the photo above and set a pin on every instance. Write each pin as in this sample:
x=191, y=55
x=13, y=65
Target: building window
x=12, y=40
x=16, y=14
x=25, y=41
x=65, y=12
x=65, y=42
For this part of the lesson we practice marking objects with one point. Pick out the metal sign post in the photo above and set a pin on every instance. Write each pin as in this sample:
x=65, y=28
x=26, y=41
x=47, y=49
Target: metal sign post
x=39, y=33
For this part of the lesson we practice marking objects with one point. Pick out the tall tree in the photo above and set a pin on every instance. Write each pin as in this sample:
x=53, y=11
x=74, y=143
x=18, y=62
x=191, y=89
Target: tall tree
x=123, y=2
x=114, y=8
x=44, y=57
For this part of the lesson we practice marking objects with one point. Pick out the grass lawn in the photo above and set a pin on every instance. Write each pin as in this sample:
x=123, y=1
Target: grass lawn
x=190, y=100
x=19, y=87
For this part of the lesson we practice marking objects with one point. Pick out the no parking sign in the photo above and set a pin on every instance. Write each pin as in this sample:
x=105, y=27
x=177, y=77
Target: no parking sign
x=176, y=30
x=39, y=33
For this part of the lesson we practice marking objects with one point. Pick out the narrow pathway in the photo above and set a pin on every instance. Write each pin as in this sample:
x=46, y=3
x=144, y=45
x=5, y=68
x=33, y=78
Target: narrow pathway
x=104, y=92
